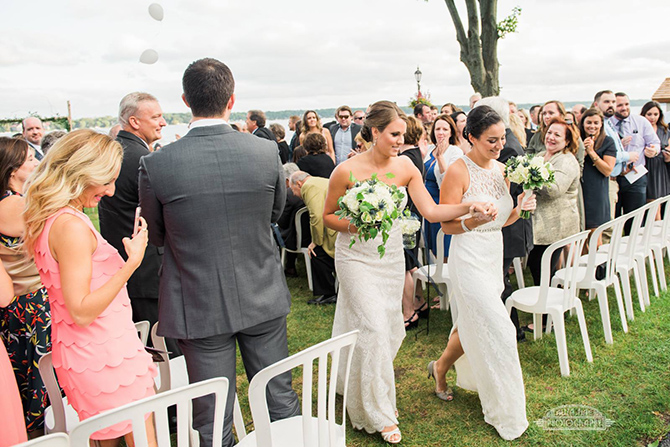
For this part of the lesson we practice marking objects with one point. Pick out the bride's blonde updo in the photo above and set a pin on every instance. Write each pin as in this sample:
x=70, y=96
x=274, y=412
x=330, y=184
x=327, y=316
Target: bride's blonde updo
x=80, y=159
x=380, y=115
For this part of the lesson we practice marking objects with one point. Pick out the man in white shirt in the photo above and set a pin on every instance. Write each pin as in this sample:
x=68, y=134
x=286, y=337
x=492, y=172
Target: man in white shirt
x=343, y=133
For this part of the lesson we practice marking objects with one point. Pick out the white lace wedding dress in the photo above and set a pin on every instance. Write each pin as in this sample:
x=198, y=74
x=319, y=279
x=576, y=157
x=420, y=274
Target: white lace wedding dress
x=490, y=364
x=370, y=300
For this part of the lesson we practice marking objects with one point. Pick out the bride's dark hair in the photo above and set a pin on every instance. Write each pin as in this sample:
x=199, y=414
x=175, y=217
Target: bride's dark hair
x=479, y=119
x=381, y=114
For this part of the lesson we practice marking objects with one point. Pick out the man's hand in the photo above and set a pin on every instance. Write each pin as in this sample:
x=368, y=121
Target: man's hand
x=310, y=249
x=650, y=152
x=634, y=156
x=626, y=140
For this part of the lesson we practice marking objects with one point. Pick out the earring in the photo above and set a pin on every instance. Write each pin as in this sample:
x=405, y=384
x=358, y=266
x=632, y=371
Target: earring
x=374, y=142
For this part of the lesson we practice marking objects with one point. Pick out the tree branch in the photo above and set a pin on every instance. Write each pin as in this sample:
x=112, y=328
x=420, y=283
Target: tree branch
x=458, y=24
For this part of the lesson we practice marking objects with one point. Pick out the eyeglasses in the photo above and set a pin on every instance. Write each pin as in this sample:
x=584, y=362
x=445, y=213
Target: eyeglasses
x=359, y=118
x=346, y=117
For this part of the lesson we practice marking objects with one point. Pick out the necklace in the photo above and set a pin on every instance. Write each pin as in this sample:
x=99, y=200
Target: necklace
x=76, y=209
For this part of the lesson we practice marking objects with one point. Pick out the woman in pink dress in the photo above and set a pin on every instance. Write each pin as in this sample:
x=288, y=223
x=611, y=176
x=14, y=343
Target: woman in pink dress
x=99, y=360
x=12, y=423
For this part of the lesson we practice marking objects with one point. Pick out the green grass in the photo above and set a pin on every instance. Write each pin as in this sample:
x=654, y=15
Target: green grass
x=628, y=382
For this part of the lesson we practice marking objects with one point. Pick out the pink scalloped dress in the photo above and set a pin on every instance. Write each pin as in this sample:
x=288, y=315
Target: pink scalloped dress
x=103, y=365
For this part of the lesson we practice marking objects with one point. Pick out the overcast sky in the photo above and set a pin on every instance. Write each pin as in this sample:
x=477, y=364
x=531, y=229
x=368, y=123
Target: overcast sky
x=299, y=54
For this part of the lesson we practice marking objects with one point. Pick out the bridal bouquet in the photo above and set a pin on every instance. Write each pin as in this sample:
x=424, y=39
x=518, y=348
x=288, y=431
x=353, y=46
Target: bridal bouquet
x=531, y=172
x=371, y=206
x=410, y=225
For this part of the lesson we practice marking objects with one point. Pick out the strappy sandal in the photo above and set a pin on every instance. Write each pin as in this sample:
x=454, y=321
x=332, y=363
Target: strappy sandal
x=448, y=394
x=422, y=311
x=389, y=436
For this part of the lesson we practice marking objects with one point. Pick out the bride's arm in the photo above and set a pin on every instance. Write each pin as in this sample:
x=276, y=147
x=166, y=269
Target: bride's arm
x=424, y=202
x=453, y=187
x=337, y=186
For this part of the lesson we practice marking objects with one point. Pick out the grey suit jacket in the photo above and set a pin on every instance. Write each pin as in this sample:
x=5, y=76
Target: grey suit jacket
x=209, y=199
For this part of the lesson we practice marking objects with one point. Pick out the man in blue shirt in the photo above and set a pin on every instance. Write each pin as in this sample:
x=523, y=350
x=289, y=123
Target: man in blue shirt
x=637, y=137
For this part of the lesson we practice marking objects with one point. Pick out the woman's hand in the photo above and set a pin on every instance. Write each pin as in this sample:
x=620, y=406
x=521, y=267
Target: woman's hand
x=588, y=146
x=529, y=204
x=441, y=147
x=136, y=246
x=483, y=212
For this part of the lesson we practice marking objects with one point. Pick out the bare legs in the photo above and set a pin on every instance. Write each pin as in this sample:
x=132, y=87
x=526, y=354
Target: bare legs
x=451, y=353
x=130, y=441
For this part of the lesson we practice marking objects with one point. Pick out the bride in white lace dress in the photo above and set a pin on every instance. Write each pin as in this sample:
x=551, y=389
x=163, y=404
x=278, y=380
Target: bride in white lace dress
x=370, y=295
x=482, y=344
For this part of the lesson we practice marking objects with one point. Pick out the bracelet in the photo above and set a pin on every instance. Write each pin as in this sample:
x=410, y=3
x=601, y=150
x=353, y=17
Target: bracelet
x=348, y=228
x=465, y=228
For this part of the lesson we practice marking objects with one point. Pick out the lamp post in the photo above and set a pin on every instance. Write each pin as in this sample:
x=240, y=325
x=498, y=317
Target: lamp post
x=417, y=76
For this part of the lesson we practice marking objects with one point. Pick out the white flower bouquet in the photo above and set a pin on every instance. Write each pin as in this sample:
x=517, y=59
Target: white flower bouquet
x=531, y=172
x=410, y=225
x=371, y=206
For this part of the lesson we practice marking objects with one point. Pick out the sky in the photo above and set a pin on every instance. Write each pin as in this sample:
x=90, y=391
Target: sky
x=310, y=54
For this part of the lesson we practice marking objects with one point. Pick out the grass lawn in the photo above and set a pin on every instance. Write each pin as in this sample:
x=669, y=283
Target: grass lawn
x=628, y=382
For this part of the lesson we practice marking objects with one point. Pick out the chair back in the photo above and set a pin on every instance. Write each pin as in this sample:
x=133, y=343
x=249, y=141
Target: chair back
x=651, y=209
x=574, y=245
x=340, y=350
x=143, y=328
x=48, y=375
x=298, y=225
x=52, y=440
x=158, y=405
x=665, y=202
x=617, y=226
x=636, y=217
x=439, y=243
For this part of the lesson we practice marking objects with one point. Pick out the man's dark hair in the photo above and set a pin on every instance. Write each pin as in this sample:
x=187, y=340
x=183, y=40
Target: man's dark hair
x=533, y=108
x=258, y=117
x=620, y=94
x=418, y=109
x=599, y=94
x=208, y=85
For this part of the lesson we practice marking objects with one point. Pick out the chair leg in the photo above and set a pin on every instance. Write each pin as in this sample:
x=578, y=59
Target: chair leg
x=549, y=324
x=658, y=255
x=518, y=271
x=537, y=326
x=652, y=273
x=601, y=292
x=624, y=276
x=619, y=302
x=640, y=284
x=561, y=344
x=308, y=267
x=583, y=330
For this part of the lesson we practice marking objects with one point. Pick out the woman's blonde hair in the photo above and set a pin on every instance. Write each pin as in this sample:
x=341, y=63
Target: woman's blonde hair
x=80, y=159
x=516, y=125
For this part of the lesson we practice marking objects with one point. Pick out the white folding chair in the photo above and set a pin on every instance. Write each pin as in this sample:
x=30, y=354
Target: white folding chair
x=173, y=374
x=586, y=274
x=52, y=440
x=544, y=299
x=659, y=240
x=59, y=417
x=305, y=430
x=439, y=275
x=136, y=413
x=143, y=328
x=299, y=249
x=518, y=271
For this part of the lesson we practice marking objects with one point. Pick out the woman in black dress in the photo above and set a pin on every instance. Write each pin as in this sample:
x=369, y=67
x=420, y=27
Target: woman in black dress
x=598, y=164
x=413, y=304
x=317, y=162
x=658, y=184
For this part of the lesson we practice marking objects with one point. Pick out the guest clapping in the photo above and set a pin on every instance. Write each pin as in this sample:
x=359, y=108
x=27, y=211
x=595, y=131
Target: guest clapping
x=99, y=360
x=601, y=157
x=25, y=323
x=658, y=184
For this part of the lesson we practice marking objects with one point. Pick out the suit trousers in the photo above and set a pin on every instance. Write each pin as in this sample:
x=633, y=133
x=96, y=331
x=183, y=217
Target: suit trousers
x=214, y=356
x=507, y=292
x=631, y=197
x=323, y=270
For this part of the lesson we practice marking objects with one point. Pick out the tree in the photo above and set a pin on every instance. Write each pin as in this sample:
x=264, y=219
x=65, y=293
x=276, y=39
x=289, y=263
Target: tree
x=479, y=50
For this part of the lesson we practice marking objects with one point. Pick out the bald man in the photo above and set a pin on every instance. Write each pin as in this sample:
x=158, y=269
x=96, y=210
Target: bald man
x=33, y=131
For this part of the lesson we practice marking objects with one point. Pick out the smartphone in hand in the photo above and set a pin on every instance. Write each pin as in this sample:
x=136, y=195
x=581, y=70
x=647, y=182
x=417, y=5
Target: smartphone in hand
x=136, y=226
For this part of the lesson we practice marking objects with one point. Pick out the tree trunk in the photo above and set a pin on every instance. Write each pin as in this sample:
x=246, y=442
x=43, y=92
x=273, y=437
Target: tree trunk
x=479, y=50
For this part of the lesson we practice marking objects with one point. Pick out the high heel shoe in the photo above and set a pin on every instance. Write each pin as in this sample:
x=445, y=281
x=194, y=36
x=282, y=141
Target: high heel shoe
x=447, y=395
x=423, y=310
x=389, y=436
x=412, y=323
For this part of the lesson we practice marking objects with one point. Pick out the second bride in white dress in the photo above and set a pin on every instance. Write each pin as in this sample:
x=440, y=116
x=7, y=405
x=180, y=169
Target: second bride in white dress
x=370, y=295
x=482, y=344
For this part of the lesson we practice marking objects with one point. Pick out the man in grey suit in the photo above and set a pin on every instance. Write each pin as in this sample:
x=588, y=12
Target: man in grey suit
x=209, y=199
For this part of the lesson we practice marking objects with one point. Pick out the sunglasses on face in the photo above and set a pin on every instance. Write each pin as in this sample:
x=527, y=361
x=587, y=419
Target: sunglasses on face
x=344, y=117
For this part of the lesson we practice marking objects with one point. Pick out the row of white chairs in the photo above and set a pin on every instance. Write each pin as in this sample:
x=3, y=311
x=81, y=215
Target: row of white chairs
x=321, y=429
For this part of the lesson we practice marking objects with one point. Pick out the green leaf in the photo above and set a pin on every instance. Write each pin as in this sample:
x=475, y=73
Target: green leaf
x=390, y=175
x=352, y=179
x=373, y=233
x=360, y=196
x=381, y=250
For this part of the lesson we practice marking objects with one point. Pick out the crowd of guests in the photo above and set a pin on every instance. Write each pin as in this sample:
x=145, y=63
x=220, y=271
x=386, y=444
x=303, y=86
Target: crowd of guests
x=60, y=275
